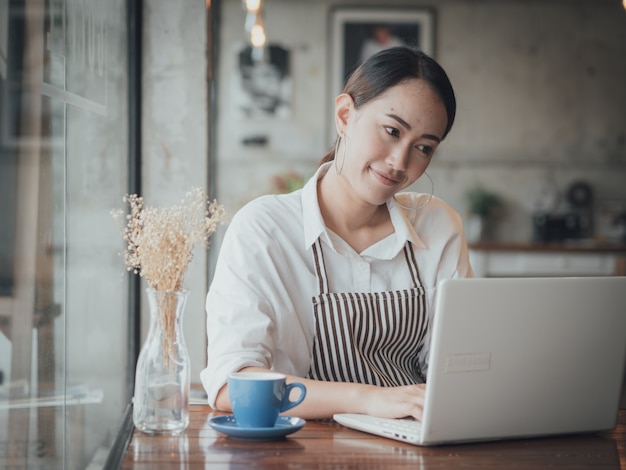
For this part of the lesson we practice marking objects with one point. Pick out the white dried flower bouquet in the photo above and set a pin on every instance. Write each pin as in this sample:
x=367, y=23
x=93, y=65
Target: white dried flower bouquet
x=161, y=241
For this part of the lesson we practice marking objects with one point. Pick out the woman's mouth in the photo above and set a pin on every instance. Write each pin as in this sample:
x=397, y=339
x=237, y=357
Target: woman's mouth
x=386, y=178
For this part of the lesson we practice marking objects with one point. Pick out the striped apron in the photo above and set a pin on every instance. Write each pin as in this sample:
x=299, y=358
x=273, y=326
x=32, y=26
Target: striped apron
x=371, y=337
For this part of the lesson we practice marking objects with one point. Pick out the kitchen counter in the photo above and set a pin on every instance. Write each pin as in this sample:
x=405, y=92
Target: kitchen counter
x=570, y=258
x=576, y=246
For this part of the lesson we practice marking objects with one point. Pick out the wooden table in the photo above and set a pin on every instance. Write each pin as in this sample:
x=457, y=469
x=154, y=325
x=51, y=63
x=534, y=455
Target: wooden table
x=321, y=444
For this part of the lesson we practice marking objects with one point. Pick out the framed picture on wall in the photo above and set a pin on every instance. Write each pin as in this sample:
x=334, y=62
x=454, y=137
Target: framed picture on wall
x=360, y=32
x=263, y=88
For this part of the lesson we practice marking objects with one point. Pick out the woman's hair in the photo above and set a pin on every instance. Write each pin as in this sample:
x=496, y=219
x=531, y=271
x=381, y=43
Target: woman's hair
x=391, y=67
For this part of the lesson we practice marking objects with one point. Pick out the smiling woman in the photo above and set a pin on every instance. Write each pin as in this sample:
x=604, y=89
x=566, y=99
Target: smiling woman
x=344, y=242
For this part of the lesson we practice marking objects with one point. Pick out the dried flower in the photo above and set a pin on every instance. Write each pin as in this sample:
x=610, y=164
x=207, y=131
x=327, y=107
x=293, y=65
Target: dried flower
x=161, y=241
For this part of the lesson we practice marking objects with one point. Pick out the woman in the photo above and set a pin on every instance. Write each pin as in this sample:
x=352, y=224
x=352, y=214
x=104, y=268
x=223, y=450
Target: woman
x=334, y=284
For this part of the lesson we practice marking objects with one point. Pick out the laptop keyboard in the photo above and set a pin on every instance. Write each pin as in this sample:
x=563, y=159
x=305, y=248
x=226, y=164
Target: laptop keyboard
x=407, y=430
x=401, y=425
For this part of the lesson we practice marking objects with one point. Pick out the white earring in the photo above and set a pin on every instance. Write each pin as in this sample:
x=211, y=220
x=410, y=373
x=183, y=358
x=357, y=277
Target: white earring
x=339, y=169
x=419, y=206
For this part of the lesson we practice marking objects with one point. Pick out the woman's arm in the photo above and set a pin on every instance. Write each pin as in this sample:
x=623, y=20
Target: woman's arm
x=324, y=399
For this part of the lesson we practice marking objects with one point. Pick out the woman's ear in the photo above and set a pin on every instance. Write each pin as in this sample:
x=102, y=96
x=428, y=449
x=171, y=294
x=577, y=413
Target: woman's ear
x=344, y=104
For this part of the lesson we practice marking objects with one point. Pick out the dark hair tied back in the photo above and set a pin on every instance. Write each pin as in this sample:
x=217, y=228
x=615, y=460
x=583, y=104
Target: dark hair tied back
x=395, y=65
x=392, y=66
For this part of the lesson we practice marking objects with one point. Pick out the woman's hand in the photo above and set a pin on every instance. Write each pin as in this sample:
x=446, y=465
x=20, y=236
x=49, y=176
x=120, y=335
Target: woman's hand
x=395, y=402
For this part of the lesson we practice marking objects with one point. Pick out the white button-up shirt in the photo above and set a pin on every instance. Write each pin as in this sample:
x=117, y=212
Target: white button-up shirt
x=259, y=306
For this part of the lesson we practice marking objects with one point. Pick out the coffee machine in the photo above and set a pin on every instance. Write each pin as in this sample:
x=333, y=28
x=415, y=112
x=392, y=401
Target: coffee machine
x=573, y=223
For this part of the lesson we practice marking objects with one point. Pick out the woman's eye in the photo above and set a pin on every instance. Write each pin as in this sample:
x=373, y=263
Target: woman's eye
x=392, y=131
x=426, y=149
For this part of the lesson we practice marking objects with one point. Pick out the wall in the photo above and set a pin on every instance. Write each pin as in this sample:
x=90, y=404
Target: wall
x=540, y=101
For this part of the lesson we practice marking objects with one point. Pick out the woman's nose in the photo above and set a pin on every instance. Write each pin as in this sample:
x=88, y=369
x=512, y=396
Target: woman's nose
x=398, y=158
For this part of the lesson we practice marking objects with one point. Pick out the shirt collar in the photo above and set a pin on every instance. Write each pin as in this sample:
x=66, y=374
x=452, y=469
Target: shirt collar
x=313, y=222
x=311, y=215
x=404, y=228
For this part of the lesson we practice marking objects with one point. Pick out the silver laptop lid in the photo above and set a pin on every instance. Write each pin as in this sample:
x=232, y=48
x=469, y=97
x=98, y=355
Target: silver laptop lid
x=525, y=357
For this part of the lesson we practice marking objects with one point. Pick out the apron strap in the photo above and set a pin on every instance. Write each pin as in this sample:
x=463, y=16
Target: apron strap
x=411, y=262
x=320, y=267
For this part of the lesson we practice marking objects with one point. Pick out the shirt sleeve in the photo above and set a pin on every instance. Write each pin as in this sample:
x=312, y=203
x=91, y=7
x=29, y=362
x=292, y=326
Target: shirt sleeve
x=239, y=318
x=257, y=310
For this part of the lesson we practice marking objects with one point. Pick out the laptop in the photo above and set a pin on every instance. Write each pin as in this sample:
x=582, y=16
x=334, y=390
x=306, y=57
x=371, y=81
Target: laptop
x=515, y=358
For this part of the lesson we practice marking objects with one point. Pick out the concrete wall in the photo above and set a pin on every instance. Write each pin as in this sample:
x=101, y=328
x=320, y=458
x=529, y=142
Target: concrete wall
x=540, y=89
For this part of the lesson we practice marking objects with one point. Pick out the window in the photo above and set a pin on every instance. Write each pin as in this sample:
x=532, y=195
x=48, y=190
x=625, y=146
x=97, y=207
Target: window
x=63, y=289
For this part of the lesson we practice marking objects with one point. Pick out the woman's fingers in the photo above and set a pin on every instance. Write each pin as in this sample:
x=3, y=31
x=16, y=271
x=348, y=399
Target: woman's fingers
x=396, y=402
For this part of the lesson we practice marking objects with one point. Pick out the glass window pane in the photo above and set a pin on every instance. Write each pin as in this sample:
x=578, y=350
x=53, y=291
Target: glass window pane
x=63, y=287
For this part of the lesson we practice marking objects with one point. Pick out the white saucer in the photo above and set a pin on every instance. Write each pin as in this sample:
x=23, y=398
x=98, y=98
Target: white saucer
x=284, y=425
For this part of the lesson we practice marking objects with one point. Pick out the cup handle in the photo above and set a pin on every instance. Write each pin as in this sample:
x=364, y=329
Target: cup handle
x=288, y=404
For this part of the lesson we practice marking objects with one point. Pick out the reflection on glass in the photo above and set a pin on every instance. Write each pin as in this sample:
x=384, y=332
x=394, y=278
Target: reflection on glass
x=63, y=296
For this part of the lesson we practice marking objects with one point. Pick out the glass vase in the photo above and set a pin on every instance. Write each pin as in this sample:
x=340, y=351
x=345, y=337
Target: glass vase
x=162, y=376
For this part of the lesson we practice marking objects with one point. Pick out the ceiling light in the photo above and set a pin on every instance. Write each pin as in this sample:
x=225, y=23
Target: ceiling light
x=252, y=6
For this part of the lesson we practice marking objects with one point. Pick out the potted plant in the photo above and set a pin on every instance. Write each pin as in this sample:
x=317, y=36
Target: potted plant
x=483, y=206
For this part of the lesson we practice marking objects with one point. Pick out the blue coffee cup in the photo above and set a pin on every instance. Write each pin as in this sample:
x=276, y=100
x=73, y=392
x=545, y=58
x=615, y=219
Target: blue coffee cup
x=257, y=398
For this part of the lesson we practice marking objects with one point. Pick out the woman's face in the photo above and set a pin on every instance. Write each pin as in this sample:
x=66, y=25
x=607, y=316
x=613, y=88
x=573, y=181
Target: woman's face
x=390, y=140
